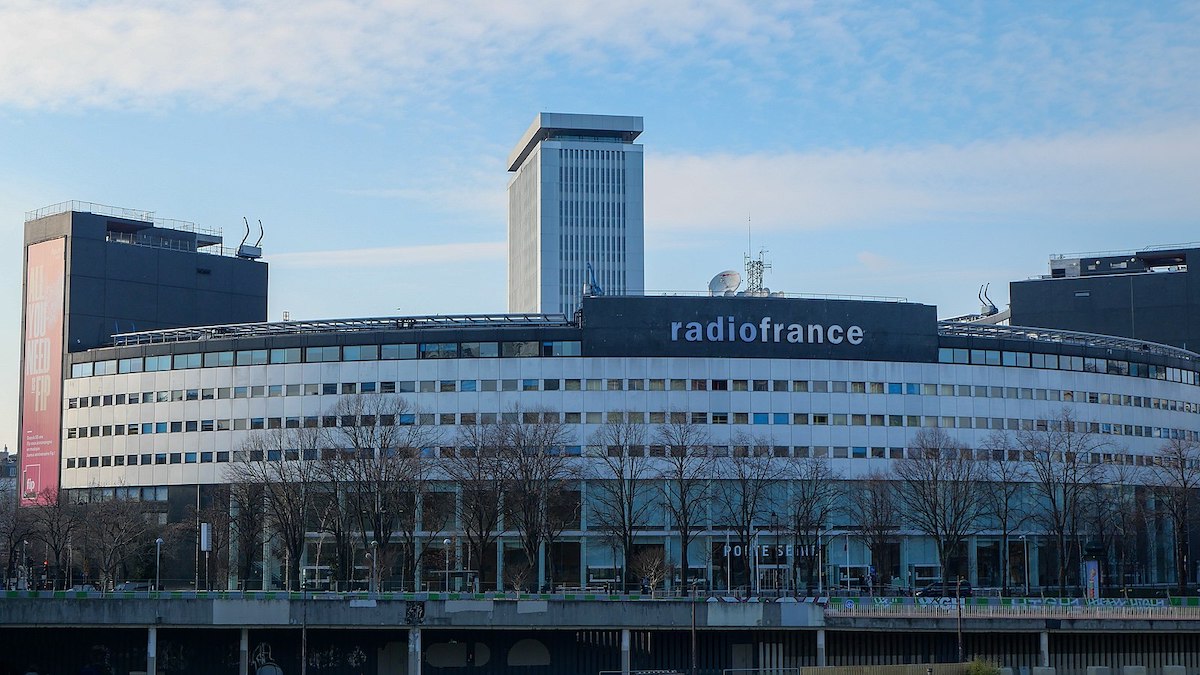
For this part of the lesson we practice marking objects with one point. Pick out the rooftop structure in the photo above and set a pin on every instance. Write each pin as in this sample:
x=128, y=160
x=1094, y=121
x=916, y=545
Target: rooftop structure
x=1152, y=294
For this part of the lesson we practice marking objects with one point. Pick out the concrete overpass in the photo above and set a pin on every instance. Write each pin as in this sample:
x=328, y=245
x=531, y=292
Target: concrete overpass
x=490, y=633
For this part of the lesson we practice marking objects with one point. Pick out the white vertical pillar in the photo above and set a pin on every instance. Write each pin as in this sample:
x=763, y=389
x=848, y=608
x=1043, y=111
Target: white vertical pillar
x=414, y=651
x=1044, y=645
x=244, y=653
x=972, y=561
x=151, y=650
x=499, y=564
x=541, y=566
x=626, y=652
x=821, y=648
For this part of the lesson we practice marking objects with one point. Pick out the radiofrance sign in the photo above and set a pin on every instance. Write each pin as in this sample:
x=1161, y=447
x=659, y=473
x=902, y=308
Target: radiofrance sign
x=776, y=328
x=728, y=329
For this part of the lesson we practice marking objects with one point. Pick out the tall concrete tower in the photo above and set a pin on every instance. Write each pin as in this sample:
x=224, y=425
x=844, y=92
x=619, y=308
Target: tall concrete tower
x=575, y=199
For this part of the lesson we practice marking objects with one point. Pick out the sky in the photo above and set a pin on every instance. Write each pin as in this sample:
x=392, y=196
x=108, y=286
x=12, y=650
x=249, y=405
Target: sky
x=915, y=150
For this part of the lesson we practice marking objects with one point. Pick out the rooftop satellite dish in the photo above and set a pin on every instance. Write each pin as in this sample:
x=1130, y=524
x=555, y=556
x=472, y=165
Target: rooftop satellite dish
x=724, y=283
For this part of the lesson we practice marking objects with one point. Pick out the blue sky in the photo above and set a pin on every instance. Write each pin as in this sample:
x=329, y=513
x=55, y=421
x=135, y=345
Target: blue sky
x=916, y=150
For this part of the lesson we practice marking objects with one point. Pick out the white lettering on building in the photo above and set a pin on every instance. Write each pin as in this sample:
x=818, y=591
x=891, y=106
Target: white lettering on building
x=727, y=329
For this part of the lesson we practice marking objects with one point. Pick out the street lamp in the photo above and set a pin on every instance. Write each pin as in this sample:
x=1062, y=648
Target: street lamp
x=374, y=584
x=446, y=550
x=693, y=671
x=25, y=563
x=158, y=563
x=958, y=601
x=70, y=564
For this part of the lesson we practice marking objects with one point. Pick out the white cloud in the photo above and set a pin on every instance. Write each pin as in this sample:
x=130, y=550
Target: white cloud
x=359, y=258
x=1131, y=178
x=933, y=58
x=117, y=53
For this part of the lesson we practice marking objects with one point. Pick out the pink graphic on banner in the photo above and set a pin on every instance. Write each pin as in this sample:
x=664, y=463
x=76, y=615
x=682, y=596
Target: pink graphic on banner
x=41, y=391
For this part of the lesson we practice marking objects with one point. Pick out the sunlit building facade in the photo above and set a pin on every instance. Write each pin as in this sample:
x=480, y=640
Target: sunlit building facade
x=166, y=415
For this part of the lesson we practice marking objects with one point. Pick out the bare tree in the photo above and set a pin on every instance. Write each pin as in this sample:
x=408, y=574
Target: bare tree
x=1113, y=515
x=1007, y=479
x=247, y=526
x=815, y=490
x=536, y=468
x=684, y=480
x=16, y=526
x=113, y=532
x=650, y=563
x=380, y=452
x=874, y=509
x=336, y=516
x=941, y=491
x=217, y=514
x=55, y=520
x=1175, y=479
x=475, y=466
x=749, y=487
x=1060, y=461
x=621, y=487
x=432, y=513
x=280, y=463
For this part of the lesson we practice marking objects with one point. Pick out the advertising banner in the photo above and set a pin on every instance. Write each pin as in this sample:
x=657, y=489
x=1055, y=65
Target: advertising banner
x=1092, y=574
x=41, y=377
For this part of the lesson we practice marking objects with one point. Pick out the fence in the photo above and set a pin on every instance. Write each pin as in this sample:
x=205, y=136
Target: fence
x=1105, y=608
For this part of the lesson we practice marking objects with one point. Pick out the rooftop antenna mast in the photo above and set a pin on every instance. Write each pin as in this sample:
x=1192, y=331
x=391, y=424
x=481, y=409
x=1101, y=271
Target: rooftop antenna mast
x=755, y=267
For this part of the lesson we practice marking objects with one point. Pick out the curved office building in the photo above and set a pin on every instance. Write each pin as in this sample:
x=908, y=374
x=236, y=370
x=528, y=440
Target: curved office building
x=854, y=382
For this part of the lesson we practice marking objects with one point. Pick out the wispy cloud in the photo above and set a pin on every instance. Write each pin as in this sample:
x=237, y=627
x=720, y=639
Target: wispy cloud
x=1130, y=178
x=133, y=52
x=359, y=258
x=935, y=59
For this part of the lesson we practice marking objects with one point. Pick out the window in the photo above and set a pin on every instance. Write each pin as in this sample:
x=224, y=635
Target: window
x=398, y=352
x=218, y=359
x=561, y=348
x=479, y=350
x=252, y=357
x=360, y=353
x=520, y=349
x=285, y=355
x=322, y=354
x=439, y=350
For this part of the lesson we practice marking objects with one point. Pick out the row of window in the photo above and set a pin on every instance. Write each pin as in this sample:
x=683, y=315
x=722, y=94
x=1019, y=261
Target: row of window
x=714, y=418
x=994, y=357
x=452, y=386
x=532, y=348
x=261, y=357
x=780, y=451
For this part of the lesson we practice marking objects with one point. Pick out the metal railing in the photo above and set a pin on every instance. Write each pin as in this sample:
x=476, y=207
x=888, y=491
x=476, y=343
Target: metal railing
x=120, y=212
x=772, y=294
x=244, y=330
x=992, y=331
